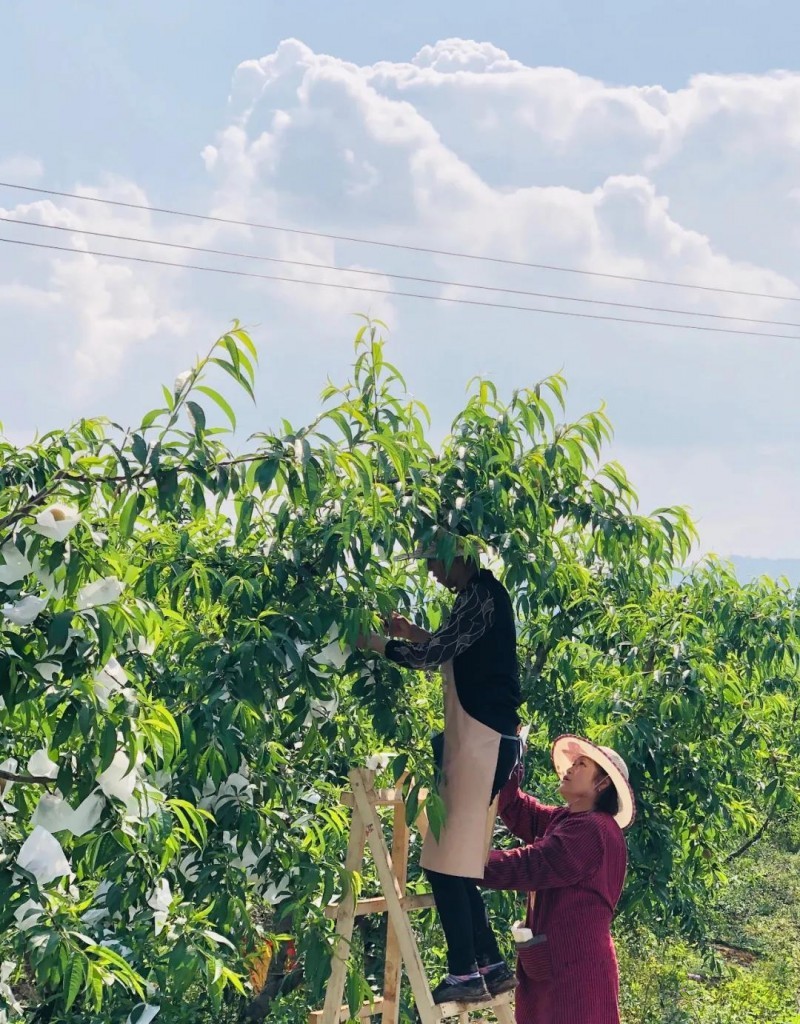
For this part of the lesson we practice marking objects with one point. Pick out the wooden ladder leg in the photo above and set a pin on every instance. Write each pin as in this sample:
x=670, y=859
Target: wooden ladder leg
x=504, y=1013
x=345, y=918
x=391, y=891
x=422, y=820
x=393, y=972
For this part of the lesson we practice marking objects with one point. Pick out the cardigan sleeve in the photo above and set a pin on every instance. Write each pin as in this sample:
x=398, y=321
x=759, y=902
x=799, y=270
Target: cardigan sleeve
x=522, y=814
x=472, y=616
x=571, y=853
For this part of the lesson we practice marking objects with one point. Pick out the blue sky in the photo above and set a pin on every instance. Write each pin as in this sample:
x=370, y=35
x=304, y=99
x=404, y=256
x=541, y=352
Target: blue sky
x=656, y=139
x=150, y=77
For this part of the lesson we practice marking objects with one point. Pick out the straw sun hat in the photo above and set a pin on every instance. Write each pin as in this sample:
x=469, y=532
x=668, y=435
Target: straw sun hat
x=567, y=749
x=441, y=539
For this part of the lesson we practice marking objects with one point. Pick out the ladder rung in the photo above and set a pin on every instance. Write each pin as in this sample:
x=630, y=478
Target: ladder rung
x=454, y=1009
x=377, y=905
x=378, y=797
x=443, y=1010
x=367, y=1010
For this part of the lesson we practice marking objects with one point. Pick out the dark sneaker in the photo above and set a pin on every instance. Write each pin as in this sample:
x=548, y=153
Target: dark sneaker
x=471, y=991
x=500, y=979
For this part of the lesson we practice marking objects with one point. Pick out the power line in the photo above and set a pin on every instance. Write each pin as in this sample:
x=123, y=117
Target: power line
x=398, y=245
x=398, y=277
x=394, y=294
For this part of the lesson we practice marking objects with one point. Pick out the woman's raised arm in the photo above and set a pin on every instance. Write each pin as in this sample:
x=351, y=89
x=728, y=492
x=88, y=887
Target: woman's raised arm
x=522, y=814
x=570, y=853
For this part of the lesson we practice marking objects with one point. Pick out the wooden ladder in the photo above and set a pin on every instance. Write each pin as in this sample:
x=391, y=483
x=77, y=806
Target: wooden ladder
x=401, y=944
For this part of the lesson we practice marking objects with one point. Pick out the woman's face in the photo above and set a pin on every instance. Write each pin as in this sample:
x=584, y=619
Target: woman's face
x=581, y=780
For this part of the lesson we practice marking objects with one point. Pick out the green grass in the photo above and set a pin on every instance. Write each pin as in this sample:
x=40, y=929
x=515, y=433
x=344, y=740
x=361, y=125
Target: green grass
x=754, y=978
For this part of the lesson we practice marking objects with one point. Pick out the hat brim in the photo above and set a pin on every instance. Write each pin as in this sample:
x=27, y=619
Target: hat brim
x=434, y=550
x=566, y=750
x=417, y=555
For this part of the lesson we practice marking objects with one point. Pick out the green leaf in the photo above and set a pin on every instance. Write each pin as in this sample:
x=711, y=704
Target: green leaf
x=198, y=499
x=95, y=983
x=233, y=979
x=76, y=973
x=265, y=473
x=246, y=341
x=192, y=820
x=236, y=374
x=149, y=418
x=217, y=939
x=66, y=724
x=245, y=518
x=167, y=485
x=412, y=804
x=198, y=416
x=354, y=991
x=108, y=745
x=105, y=635
x=399, y=765
x=215, y=396
x=58, y=630
x=127, y=519
x=434, y=808
x=139, y=449
x=243, y=360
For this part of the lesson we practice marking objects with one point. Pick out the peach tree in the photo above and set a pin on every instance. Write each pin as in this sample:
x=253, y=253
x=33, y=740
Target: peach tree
x=180, y=700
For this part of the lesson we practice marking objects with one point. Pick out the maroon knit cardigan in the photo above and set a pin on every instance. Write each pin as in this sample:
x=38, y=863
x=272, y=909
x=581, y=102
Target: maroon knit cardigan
x=575, y=864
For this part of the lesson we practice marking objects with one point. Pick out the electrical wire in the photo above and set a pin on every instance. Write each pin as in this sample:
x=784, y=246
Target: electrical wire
x=394, y=294
x=398, y=277
x=398, y=245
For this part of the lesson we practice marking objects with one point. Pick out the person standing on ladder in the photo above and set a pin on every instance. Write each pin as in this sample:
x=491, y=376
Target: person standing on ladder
x=477, y=653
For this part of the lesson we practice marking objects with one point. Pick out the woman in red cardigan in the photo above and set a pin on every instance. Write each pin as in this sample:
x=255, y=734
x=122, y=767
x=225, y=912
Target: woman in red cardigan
x=573, y=869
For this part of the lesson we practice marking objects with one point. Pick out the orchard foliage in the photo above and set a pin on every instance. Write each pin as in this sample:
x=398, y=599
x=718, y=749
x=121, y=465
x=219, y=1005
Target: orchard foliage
x=181, y=701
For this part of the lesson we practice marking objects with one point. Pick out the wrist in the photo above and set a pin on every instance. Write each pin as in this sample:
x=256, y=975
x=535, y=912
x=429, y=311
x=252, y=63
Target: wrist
x=377, y=643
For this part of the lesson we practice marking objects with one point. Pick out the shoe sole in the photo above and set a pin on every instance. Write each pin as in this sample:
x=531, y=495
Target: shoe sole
x=504, y=986
x=477, y=998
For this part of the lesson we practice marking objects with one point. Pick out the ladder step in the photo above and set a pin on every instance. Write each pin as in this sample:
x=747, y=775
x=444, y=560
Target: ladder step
x=367, y=1010
x=445, y=1010
x=380, y=797
x=377, y=905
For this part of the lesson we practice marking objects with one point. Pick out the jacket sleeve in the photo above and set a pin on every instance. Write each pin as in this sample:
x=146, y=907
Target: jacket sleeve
x=571, y=853
x=522, y=814
x=471, y=618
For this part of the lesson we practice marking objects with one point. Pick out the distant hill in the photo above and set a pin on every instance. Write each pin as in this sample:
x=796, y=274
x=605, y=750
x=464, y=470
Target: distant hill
x=750, y=568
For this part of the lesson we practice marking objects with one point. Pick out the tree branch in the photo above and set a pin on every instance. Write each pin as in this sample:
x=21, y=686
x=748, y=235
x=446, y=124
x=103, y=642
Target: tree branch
x=143, y=475
x=755, y=837
x=33, y=502
x=26, y=780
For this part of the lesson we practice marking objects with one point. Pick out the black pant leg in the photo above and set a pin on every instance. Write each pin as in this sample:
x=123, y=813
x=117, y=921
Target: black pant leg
x=455, y=912
x=486, y=949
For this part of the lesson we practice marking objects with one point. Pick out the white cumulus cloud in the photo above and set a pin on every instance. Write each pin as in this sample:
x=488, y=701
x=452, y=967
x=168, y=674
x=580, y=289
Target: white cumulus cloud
x=463, y=148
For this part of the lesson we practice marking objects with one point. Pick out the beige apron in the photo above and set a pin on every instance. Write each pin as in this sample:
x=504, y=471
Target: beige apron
x=470, y=761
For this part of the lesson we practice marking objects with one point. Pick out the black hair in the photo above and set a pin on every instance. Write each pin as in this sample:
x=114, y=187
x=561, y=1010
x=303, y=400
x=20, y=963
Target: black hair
x=607, y=799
